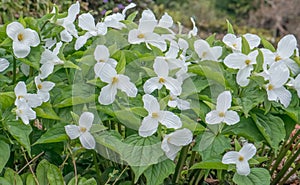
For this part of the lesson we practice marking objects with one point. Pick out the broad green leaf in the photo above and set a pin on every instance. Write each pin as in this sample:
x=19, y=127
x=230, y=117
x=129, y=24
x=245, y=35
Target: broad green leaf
x=111, y=142
x=30, y=180
x=41, y=171
x=4, y=181
x=69, y=64
x=12, y=177
x=76, y=100
x=267, y=45
x=97, y=128
x=138, y=171
x=140, y=111
x=21, y=133
x=259, y=61
x=132, y=16
x=120, y=68
x=141, y=151
x=245, y=46
x=229, y=27
x=257, y=176
x=4, y=154
x=128, y=119
x=46, y=111
x=210, y=165
x=54, y=175
x=211, y=39
x=156, y=173
x=55, y=134
x=271, y=127
x=7, y=99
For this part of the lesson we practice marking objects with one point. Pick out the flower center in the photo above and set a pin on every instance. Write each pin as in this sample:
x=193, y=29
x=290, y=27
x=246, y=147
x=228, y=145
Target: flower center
x=101, y=60
x=221, y=114
x=140, y=36
x=204, y=54
x=154, y=115
x=19, y=97
x=277, y=58
x=82, y=129
x=234, y=45
x=161, y=80
x=40, y=86
x=247, y=62
x=241, y=158
x=270, y=87
x=20, y=37
x=114, y=80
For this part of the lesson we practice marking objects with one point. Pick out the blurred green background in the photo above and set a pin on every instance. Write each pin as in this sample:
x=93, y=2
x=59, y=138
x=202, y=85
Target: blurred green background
x=270, y=18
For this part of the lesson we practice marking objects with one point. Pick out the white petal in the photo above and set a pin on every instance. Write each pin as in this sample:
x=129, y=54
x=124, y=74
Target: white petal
x=33, y=100
x=86, y=120
x=46, y=69
x=173, y=85
x=150, y=103
x=101, y=28
x=20, y=50
x=112, y=62
x=160, y=67
x=242, y=76
x=82, y=40
x=107, y=94
x=201, y=47
x=297, y=85
x=13, y=29
x=173, y=50
x=292, y=65
x=148, y=127
x=272, y=96
x=57, y=48
x=230, y=157
x=223, y=101
x=126, y=86
x=131, y=5
x=169, y=119
x=287, y=46
x=151, y=84
x=133, y=37
x=72, y=131
x=253, y=40
x=233, y=42
x=172, y=103
x=248, y=151
x=181, y=137
x=25, y=69
x=242, y=168
x=236, y=60
x=87, y=140
x=45, y=96
x=147, y=22
x=66, y=36
x=231, y=117
x=101, y=53
x=217, y=52
x=279, y=74
x=20, y=89
x=194, y=31
x=173, y=150
x=166, y=21
x=73, y=11
x=47, y=86
x=105, y=72
x=4, y=64
x=284, y=96
x=156, y=40
x=183, y=104
x=164, y=144
x=31, y=37
x=86, y=22
x=25, y=112
x=213, y=117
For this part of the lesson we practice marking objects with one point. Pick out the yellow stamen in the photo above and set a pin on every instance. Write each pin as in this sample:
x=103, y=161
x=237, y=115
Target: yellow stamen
x=20, y=37
x=19, y=97
x=101, y=60
x=161, y=80
x=154, y=115
x=234, y=45
x=204, y=54
x=270, y=87
x=221, y=114
x=140, y=36
x=82, y=129
x=241, y=158
x=114, y=80
x=40, y=86
x=277, y=58
x=247, y=62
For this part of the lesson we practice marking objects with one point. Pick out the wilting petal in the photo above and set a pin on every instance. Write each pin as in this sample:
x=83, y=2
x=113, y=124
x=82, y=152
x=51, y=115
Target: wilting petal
x=72, y=131
x=181, y=137
x=243, y=168
x=223, y=101
x=173, y=85
x=248, y=151
x=148, y=126
x=126, y=86
x=87, y=140
x=231, y=117
x=3, y=64
x=107, y=94
x=283, y=95
x=213, y=117
x=151, y=84
x=101, y=53
x=242, y=76
x=20, y=50
x=287, y=46
x=230, y=157
x=169, y=119
x=150, y=103
x=86, y=120
x=86, y=22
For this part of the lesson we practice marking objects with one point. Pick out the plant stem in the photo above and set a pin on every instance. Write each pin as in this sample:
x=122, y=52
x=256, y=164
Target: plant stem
x=297, y=167
x=30, y=168
x=120, y=175
x=36, y=157
x=98, y=172
x=74, y=164
x=180, y=164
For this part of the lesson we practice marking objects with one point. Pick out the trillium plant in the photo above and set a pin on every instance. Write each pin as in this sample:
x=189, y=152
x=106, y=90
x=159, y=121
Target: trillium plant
x=126, y=99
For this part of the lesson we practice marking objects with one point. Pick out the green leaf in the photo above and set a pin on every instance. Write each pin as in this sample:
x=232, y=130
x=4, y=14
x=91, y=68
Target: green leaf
x=210, y=40
x=259, y=61
x=229, y=27
x=46, y=111
x=30, y=180
x=53, y=135
x=210, y=165
x=257, y=176
x=271, y=127
x=12, y=177
x=138, y=171
x=245, y=46
x=4, y=181
x=21, y=133
x=69, y=64
x=132, y=16
x=4, y=154
x=267, y=45
x=120, y=68
x=7, y=99
x=140, y=111
x=97, y=128
x=54, y=175
x=141, y=151
x=156, y=173
x=76, y=100
x=41, y=171
x=128, y=119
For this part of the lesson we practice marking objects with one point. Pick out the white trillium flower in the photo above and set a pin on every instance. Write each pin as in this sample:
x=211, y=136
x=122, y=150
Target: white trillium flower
x=242, y=62
x=23, y=39
x=278, y=76
x=172, y=143
x=4, y=64
x=150, y=123
x=87, y=22
x=194, y=31
x=162, y=70
x=115, y=81
x=174, y=101
x=43, y=88
x=48, y=60
x=33, y=100
x=296, y=84
x=240, y=158
x=285, y=49
x=222, y=114
x=25, y=112
x=101, y=55
x=82, y=130
x=145, y=33
x=235, y=43
x=205, y=52
x=68, y=23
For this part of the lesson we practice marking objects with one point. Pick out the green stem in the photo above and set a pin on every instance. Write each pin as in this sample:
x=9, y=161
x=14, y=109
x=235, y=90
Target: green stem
x=98, y=172
x=180, y=164
x=297, y=167
x=14, y=71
